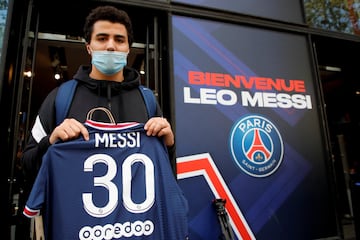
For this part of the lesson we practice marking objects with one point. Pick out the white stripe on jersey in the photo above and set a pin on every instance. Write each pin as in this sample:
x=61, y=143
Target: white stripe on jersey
x=38, y=131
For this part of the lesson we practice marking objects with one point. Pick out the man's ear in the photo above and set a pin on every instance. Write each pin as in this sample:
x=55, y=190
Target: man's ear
x=88, y=48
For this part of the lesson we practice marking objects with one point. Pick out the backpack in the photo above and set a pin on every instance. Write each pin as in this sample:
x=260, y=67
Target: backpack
x=67, y=89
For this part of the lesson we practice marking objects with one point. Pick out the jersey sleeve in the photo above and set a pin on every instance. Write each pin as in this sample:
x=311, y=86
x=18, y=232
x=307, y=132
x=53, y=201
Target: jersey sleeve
x=36, y=197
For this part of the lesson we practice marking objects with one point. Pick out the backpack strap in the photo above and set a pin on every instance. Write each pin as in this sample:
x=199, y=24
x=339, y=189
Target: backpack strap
x=67, y=89
x=149, y=99
x=63, y=99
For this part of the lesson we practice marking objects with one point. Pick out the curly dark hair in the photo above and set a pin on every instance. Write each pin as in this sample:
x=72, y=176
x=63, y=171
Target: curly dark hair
x=108, y=13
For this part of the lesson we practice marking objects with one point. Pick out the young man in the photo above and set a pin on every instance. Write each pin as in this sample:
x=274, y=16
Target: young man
x=107, y=82
x=137, y=194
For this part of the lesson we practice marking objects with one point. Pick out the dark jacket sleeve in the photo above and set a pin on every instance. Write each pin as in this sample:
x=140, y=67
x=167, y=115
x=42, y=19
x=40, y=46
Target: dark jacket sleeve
x=32, y=156
x=36, y=146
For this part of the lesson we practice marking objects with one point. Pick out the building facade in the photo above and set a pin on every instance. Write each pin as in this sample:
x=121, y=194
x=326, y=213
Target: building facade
x=260, y=95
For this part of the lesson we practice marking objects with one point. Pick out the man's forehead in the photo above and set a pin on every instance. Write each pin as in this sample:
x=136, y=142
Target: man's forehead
x=108, y=27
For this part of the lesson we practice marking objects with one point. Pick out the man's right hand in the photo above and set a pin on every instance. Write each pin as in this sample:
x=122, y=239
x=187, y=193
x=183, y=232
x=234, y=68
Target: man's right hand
x=69, y=129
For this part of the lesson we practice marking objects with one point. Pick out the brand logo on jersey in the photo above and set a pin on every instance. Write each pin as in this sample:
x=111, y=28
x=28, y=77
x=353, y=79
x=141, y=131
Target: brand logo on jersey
x=256, y=146
x=118, y=230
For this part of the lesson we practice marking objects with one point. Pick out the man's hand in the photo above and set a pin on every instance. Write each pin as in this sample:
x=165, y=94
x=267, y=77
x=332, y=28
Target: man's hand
x=69, y=129
x=158, y=126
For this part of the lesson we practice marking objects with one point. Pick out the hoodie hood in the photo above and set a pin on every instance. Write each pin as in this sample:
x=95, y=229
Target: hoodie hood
x=131, y=80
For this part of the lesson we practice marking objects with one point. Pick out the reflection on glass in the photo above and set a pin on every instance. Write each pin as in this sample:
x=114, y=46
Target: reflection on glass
x=3, y=16
x=334, y=15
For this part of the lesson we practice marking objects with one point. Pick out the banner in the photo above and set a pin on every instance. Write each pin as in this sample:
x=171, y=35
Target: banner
x=248, y=130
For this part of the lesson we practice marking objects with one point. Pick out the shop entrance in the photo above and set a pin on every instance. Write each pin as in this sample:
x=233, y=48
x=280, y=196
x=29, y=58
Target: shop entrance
x=341, y=93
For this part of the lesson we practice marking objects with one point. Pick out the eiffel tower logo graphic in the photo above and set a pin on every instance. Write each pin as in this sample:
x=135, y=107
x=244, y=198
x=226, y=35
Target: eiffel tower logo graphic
x=258, y=151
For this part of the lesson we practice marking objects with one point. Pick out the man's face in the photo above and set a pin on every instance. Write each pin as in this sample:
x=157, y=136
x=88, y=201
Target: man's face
x=109, y=36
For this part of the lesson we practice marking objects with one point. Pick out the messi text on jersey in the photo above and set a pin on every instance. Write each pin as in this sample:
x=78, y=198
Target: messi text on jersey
x=117, y=140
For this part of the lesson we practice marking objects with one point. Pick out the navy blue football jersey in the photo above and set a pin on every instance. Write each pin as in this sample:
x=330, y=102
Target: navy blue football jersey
x=117, y=185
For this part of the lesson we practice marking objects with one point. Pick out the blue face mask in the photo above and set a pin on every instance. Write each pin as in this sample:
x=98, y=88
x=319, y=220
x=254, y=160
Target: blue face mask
x=109, y=62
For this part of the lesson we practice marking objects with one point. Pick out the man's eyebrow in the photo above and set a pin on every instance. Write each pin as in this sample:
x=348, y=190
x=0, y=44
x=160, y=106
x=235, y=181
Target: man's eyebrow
x=120, y=36
x=101, y=35
x=106, y=35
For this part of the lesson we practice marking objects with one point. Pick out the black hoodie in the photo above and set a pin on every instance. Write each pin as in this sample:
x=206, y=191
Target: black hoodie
x=122, y=98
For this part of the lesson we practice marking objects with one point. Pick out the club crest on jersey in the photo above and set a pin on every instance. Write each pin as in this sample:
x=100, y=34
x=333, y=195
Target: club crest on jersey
x=256, y=146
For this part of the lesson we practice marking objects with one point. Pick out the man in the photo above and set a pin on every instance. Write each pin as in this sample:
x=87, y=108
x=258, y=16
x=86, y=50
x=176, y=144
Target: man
x=61, y=178
x=107, y=82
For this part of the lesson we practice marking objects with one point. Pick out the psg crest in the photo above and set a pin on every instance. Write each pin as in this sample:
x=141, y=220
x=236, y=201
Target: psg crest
x=256, y=146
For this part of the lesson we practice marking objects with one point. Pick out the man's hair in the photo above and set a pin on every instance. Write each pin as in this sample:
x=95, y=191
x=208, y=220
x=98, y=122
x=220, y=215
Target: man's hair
x=107, y=13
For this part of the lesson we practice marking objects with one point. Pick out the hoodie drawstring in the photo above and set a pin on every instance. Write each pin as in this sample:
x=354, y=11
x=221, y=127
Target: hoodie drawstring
x=109, y=95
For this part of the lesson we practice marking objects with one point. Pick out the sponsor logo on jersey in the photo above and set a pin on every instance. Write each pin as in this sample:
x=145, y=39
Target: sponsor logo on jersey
x=117, y=230
x=256, y=146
